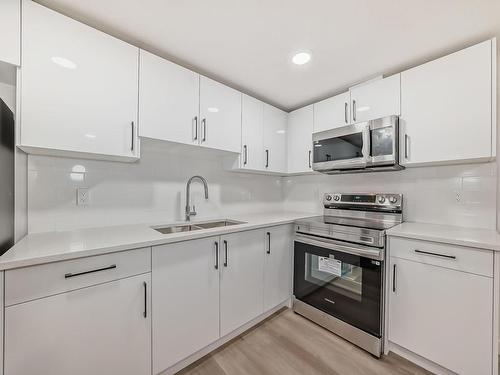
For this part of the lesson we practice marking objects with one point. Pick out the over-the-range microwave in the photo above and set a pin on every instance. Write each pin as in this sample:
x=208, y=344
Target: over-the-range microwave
x=363, y=147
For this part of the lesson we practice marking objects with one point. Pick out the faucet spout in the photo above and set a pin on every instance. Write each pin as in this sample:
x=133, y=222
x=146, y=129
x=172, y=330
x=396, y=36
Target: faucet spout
x=190, y=212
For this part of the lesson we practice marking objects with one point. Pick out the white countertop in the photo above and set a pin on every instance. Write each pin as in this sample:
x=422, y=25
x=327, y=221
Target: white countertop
x=471, y=237
x=48, y=247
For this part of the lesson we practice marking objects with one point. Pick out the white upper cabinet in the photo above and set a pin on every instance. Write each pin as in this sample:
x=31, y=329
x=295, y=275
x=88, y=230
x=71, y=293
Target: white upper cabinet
x=168, y=100
x=220, y=114
x=241, y=279
x=275, y=129
x=448, y=107
x=252, y=153
x=332, y=113
x=78, y=88
x=10, y=31
x=376, y=99
x=186, y=300
x=299, y=140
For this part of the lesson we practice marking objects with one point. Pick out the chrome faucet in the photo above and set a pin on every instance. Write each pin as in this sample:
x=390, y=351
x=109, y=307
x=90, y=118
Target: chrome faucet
x=190, y=213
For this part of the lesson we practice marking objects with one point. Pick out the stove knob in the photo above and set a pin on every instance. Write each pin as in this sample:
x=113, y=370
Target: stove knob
x=328, y=197
x=393, y=199
x=381, y=199
x=336, y=198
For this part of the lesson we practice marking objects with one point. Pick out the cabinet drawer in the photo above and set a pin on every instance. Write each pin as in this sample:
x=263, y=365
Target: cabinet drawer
x=25, y=284
x=459, y=258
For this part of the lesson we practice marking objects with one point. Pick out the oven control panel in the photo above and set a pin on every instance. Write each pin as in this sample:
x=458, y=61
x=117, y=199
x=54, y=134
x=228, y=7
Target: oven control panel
x=387, y=201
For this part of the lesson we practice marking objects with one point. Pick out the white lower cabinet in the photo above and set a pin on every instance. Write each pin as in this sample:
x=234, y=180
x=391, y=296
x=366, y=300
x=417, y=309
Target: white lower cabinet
x=443, y=315
x=102, y=329
x=278, y=265
x=241, y=279
x=185, y=300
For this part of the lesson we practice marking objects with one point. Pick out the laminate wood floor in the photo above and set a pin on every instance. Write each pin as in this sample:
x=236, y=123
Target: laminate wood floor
x=289, y=344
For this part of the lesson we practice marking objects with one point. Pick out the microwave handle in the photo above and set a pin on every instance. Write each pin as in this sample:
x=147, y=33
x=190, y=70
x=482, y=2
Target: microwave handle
x=366, y=144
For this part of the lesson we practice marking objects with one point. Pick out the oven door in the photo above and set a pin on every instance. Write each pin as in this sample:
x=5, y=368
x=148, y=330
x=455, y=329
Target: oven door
x=384, y=141
x=347, y=147
x=346, y=286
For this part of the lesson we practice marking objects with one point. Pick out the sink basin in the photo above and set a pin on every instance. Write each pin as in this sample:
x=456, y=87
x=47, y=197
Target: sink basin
x=219, y=223
x=177, y=228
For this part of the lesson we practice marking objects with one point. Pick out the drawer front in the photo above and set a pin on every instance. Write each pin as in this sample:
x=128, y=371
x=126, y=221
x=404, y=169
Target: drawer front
x=461, y=258
x=25, y=284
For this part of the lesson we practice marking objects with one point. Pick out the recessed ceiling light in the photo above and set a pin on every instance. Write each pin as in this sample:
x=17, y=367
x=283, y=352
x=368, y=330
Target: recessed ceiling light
x=64, y=62
x=301, y=58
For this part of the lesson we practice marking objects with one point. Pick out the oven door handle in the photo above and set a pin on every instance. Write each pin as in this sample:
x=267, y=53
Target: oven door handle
x=377, y=254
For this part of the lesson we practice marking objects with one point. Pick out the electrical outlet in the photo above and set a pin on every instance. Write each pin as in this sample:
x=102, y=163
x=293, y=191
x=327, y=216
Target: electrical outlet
x=82, y=196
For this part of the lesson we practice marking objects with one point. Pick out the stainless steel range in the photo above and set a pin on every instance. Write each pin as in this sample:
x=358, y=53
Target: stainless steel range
x=339, y=265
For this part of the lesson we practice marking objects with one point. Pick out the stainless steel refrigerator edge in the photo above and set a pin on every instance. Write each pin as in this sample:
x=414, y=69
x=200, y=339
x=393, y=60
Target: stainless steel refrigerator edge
x=7, y=132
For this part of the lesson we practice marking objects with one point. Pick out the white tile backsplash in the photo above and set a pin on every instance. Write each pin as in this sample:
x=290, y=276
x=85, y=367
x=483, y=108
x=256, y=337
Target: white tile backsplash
x=153, y=190
x=463, y=195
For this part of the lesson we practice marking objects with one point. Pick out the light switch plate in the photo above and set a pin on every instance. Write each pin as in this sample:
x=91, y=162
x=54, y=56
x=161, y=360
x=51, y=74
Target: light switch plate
x=82, y=196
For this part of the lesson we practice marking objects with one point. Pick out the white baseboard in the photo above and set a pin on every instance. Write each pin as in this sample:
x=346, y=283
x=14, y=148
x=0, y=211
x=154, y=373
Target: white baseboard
x=418, y=360
x=210, y=348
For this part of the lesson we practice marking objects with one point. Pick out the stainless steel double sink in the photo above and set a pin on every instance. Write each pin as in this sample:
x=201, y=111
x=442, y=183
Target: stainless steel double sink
x=178, y=228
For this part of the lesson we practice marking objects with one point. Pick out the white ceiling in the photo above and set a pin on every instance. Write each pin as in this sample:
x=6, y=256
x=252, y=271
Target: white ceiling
x=248, y=44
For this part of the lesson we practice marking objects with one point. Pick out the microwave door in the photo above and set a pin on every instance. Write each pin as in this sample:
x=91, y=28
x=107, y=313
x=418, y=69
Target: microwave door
x=342, y=148
x=383, y=135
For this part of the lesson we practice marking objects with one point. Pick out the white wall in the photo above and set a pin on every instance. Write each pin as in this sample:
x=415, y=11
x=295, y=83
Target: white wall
x=463, y=195
x=151, y=190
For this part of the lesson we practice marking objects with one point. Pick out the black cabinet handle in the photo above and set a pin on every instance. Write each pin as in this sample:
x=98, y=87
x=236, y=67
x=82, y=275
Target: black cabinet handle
x=267, y=158
x=345, y=113
x=145, y=313
x=245, y=155
x=195, y=138
x=310, y=166
x=394, y=278
x=268, y=242
x=216, y=255
x=354, y=110
x=132, y=145
x=225, y=253
x=436, y=254
x=70, y=275
x=204, y=123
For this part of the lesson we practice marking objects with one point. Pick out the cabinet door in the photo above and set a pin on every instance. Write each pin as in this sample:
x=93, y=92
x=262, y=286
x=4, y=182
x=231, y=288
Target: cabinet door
x=168, y=100
x=103, y=329
x=299, y=140
x=332, y=113
x=10, y=31
x=275, y=124
x=252, y=156
x=376, y=99
x=185, y=300
x=78, y=87
x=220, y=112
x=278, y=266
x=443, y=315
x=242, y=279
x=446, y=112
